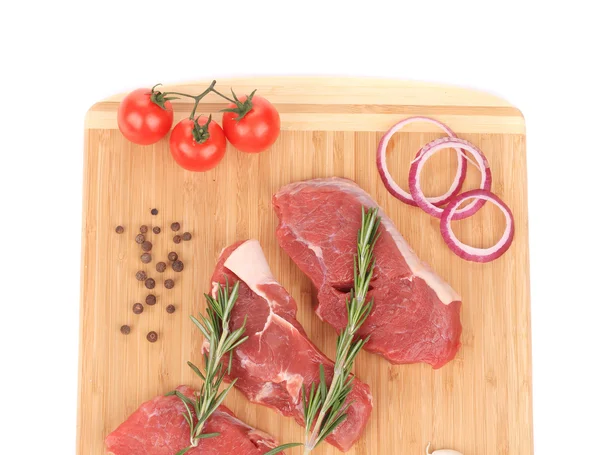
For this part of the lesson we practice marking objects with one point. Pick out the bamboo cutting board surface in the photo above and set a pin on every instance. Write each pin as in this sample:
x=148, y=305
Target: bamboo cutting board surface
x=479, y=404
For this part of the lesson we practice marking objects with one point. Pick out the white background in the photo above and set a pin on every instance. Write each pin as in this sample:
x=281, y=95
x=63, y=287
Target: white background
x=58, y=58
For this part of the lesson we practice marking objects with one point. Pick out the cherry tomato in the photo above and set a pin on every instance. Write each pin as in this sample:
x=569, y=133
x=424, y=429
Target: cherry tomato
x=141, y=120
x=193, y=155
x=257, y=130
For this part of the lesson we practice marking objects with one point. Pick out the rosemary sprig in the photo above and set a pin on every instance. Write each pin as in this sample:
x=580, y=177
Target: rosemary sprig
x=215, y=328
x=325, y=408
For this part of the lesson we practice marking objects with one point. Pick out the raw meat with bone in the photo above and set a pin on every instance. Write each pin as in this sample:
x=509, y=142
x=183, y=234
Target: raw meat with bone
x=278, y=358
x=416, y=315
x=157, y=427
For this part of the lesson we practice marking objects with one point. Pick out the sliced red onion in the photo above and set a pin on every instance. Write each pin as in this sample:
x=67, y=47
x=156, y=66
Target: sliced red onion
x=427, y=152
x=394, y=188
x=468, y=252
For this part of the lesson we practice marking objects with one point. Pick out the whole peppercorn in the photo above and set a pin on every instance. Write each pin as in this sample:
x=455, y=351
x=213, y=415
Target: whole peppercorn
x=119, y=229
x=156, y=230
x=152, y=336
x=177, y=239
x=140, y=238
x=186, y=236
x=125, y=329
x=138, y=308
x=141, y=275
x=147, y=246
x=177, y=266
x=143, y=229
x=146, y=258
x=169, y=284
x=154, y=211
x=161, y=267
x=175, y=226
x=150, y=283
x=171, y=309
x=150, y=299
x=172, y=256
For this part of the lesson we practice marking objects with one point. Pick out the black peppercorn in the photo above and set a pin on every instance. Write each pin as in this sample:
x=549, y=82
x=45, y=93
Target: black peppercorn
x=186, y=236
x=175, y=226
x=177, y=239
x=147, y=246
x=138, y=308
x=172, y=256
x=156, y=230
x=154, y=211
x=125, y=329
x=141, y=275
x=177, y=266
x=161, y=267
x=169, y=284
x=119, y=229
x=143, y=229
x=150, y=283
x=150, y=299
x=152, y=336
x=171, y=309
x=140, y=238
x=146, y=257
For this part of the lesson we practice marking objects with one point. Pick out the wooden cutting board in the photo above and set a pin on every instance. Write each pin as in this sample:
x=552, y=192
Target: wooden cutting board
x=479, y=404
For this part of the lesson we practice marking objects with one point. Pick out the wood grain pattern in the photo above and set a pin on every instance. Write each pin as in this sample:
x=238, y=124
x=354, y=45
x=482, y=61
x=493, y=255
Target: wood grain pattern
x=479, y=404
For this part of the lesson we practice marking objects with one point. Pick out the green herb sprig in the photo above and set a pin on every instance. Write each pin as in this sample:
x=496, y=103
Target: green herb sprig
x=325, y=408
x=215, y=328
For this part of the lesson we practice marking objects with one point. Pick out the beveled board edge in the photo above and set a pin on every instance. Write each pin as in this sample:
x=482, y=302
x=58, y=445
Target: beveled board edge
x=346, y=104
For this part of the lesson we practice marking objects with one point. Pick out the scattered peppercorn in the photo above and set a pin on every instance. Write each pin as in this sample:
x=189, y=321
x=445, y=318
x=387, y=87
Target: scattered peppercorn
x=152, y=336
x=150, y=283
x=177, y=239
x=143, y=229
x=177, y=266
x=125, y=329
x=171, y=309
x=141, y=275
x=154, y=212
x=175, y=226
x=146, y=257
x=186, y=236
x=140, y=238
x=156, y=230
x=161, y=267
x=150, y=299
x=172, y=256
x=119, y=229
x=138, y=308
x=147, y=246
x=169, y=284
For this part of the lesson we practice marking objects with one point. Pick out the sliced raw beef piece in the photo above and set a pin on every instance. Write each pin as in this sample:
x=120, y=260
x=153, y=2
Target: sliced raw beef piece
x=158, y=428
x=278, y=358
x=416, y=315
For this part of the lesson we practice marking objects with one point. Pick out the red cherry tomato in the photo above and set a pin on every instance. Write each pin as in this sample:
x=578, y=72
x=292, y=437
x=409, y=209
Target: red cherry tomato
x=193, y=155
x=141, y=120
x=257, y=130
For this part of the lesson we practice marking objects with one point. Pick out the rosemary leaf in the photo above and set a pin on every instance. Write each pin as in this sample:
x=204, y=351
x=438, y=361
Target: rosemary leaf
x=282, y=448
x=208, y=435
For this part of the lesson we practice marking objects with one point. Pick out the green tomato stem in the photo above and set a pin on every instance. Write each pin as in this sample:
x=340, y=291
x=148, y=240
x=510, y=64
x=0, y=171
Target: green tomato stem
x=223, y=96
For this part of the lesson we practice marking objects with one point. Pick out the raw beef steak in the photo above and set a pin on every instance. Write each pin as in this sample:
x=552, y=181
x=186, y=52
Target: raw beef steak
x=158, y=428
x=278, y=358
x=416, y=315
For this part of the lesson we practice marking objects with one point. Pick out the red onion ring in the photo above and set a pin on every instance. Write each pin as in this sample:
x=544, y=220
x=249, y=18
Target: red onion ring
x=394, y=188
x=427, y=152
x=468, y=252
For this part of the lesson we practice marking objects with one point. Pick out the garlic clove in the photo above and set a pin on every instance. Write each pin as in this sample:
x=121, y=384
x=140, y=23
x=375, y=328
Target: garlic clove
x=441, y=451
